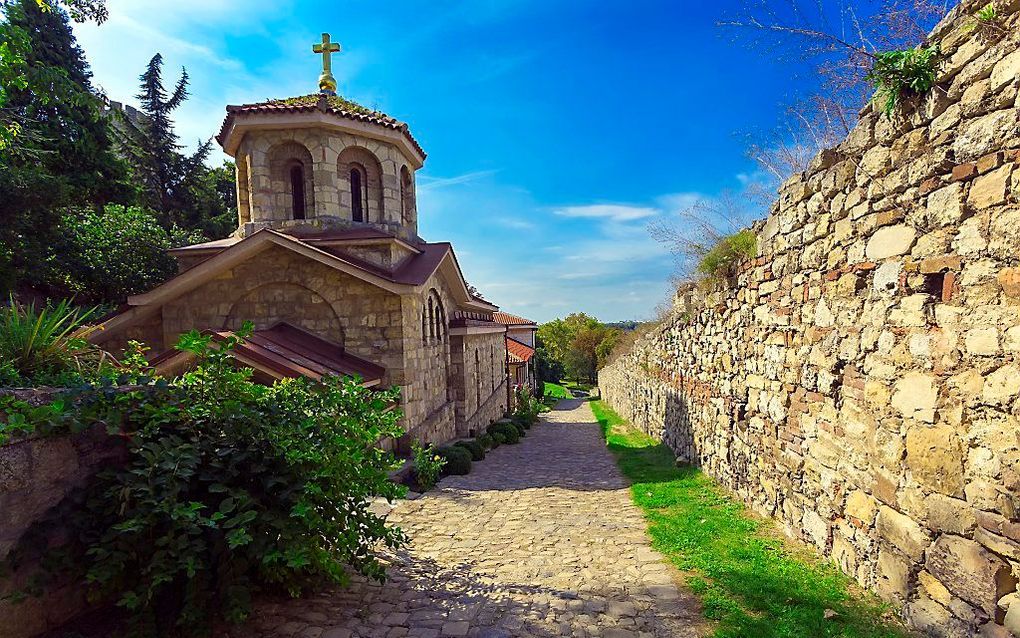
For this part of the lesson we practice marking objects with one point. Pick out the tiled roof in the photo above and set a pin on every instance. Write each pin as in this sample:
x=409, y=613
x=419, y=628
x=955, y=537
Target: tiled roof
x=334, y=104
x=508, y=319
x=286, y=351
x=518, y=352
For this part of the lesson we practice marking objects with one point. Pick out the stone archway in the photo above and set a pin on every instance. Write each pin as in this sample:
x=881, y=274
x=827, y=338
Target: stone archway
x=273, y=302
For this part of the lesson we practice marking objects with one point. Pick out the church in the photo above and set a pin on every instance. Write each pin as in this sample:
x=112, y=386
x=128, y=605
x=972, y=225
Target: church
x=328, y=265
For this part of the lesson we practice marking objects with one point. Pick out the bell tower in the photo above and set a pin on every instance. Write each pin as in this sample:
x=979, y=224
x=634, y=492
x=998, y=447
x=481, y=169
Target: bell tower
x=320, y=162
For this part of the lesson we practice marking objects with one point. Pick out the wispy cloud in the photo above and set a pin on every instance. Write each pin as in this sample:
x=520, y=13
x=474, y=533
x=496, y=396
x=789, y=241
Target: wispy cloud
x=515, y=223
x=611, y=212
x=427, y=182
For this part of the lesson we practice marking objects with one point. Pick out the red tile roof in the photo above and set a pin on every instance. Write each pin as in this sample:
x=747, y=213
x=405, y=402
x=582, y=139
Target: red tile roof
x=508, y=319
x=333, y=104
x=285, y=351
x=518, y=352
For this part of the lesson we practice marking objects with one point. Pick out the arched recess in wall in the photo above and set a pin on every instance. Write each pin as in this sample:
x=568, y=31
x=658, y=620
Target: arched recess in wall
x=290, y=174
x=243, y=190
x=407, y=196
x=435, y=317
x=361, y=192
x=271, y=303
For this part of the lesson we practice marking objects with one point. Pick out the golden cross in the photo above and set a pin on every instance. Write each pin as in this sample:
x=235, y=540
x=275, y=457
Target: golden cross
x=327, y=83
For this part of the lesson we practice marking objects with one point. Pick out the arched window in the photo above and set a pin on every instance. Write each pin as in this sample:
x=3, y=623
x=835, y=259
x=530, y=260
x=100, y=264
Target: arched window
x=359, y=192
x=406, y=195
x=432, y=319
x=478, y=381
x=440, y=320
x=297, y=191
x=424, y=330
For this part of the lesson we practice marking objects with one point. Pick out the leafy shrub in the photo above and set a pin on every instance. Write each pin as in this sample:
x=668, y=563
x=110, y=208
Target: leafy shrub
x=231, y=488
x=115, y=252
x=474, y=447
x=727, y=253
x=508, y=432
x=46, y=346
x=527, y=407
x=457, y=459
x=899, y=74
x=427, y=465
x=485, y=440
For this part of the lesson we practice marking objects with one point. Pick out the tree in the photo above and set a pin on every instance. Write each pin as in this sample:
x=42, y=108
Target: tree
x=64, y=153
x=154, y=148
x=210, y=201
x=580, y=344
x=14, y=51
x=837, y=44
x=108, y=254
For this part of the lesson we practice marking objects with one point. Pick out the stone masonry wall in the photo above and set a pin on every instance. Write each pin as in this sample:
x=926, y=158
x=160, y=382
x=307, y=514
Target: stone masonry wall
x=36, y=474
x=860, y=380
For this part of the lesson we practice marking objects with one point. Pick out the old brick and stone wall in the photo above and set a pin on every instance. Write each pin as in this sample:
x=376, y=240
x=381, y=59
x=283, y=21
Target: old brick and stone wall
x=36, y=474
x=860, y=380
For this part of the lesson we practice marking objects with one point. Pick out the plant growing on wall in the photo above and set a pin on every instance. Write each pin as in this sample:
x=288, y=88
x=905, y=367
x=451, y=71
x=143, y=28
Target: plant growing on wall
x=901, y=74
x=729, y=251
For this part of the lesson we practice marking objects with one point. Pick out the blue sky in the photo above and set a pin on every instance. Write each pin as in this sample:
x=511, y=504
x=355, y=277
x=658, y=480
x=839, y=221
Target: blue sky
x=556, y=130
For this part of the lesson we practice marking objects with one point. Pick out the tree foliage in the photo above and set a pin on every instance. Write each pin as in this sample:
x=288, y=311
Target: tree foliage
x=155, y=150
x=65, y=153
x=579, y=343
x=229, y=488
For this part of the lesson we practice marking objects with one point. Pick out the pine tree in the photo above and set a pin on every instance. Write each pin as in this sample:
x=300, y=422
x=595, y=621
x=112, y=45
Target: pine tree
x=64, y=152
x=162, y=169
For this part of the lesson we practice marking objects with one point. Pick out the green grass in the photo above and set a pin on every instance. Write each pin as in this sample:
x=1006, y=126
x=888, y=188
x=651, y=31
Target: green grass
x=556, y=391
x=751, y=582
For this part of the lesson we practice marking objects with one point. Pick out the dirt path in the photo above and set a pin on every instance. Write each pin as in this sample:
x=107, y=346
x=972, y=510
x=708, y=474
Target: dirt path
x=541, y=539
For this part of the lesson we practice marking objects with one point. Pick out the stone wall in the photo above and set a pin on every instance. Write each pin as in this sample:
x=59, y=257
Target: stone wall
x=35, y=476
x=860, y=381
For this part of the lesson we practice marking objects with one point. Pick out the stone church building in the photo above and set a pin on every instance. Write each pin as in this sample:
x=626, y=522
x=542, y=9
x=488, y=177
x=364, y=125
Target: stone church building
x=328, y=264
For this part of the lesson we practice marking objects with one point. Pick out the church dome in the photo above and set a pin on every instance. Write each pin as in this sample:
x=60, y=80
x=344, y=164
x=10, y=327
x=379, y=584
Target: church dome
x=321, y=162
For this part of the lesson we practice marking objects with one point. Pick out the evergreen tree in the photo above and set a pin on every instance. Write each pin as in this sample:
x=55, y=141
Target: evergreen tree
x=163, y=171
x=64, y=153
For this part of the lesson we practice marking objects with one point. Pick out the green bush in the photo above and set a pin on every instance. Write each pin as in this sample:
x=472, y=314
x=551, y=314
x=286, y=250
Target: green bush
x=114, y=252
x=507, y=431
x=719, y=262
x=474, y=447
x=485, y=440
x=458, y=460
x=427, y=465
x=230, y=488
x=899, y=74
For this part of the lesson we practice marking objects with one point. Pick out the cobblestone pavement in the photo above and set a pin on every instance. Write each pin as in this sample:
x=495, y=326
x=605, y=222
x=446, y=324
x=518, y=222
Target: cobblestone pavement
x=541, y=539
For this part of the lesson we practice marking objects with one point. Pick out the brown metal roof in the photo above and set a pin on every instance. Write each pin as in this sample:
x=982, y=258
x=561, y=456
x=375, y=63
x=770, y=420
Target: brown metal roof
x=334, y=104
x=284, y=351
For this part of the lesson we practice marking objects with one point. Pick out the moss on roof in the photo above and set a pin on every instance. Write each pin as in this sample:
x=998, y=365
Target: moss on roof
x=334, y=101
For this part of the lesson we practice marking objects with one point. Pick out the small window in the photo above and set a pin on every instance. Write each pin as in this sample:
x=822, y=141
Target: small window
x=432, y=319
x=297, y=191
x=358, y=199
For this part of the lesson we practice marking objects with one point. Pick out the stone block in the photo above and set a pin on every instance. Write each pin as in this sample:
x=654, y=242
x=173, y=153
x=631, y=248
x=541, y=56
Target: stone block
x=991, y=189
x=915, y=396
x=1002, y=386
x=947, y=514
x=902, y=532
x=945, y=206
x=890, y=241
x=935, y=458
x=970, y=571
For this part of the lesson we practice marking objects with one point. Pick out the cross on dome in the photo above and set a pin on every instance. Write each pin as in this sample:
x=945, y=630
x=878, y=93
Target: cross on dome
x=327, y=83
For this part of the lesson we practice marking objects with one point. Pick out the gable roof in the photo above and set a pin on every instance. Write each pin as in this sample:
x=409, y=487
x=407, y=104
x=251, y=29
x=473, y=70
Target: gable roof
x=518, y=352
x=330, y=104
x=283, y=351
x=431, y=258
x=508, y=319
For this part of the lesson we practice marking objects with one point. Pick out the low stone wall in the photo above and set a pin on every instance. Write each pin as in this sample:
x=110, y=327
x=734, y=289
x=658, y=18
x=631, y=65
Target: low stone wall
x=36, y=474
x=860, y=380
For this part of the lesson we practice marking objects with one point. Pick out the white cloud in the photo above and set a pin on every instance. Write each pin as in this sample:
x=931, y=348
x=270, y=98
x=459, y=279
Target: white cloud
x=427, y=182
x=611, y=212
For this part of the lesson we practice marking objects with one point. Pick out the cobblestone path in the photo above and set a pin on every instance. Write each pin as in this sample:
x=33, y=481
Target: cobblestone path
x=541, y=539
